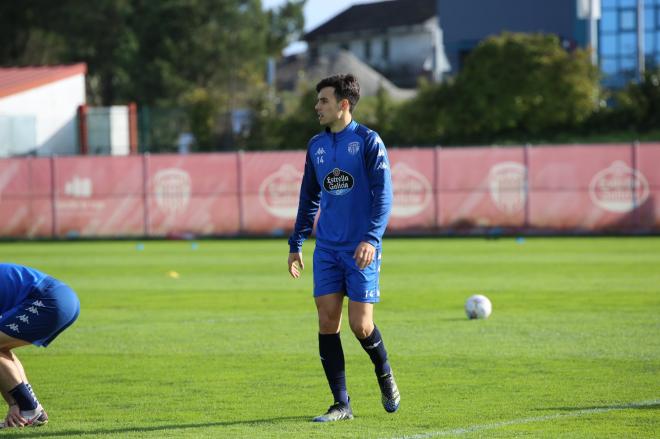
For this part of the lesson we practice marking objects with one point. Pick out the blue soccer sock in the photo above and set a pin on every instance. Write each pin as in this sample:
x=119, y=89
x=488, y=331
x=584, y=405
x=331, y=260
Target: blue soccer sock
x=23, y=397
x=34, y=395
x=332, y=359
x=375, y=347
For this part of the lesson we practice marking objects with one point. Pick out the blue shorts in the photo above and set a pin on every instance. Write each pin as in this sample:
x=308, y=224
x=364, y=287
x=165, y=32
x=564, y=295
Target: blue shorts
x=336, y=271
x=43, y=315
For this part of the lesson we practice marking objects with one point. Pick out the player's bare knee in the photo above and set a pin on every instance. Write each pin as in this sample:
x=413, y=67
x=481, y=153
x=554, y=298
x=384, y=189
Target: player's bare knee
x=361, y=329
x=329, y=323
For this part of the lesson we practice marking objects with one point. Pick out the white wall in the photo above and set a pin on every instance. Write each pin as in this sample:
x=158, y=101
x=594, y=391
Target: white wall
x=410, y=48
x=415, y=46
x=54, y=107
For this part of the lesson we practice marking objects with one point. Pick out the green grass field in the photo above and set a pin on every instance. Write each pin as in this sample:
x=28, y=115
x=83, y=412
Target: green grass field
x=229, y=348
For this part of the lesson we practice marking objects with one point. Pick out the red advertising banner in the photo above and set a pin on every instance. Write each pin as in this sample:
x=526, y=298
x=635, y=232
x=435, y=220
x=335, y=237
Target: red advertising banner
x=192, y=195
x=573, y=188
x=647, y=185
x=481, y=187
x=26, y=208
x=98, y=196
x=270, y=186
x=413, y=181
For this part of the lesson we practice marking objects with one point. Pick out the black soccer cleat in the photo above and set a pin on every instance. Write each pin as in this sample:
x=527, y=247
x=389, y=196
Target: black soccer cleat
x=338, y=411
x=389, y=392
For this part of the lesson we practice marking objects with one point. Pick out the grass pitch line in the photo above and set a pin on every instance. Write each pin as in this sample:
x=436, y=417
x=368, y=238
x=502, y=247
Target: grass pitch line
x=494, y=425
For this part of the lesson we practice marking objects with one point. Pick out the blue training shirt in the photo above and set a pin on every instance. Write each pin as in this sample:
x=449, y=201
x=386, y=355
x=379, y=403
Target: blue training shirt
x=16, y=282
x=348, y=175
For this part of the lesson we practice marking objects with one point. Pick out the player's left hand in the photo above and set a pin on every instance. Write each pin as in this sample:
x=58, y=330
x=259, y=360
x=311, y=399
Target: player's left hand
x=14, y=418
x=364, y=255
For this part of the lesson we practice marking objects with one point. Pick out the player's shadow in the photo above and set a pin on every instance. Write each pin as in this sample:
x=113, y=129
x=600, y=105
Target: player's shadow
x=43, y=431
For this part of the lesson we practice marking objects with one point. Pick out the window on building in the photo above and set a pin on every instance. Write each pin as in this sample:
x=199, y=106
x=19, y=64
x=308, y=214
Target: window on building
x=367, y=50
x=386, y=49
x=649, y=44
x=609, y=66
x=628, y=44
x=628, y=19
x=608, y=23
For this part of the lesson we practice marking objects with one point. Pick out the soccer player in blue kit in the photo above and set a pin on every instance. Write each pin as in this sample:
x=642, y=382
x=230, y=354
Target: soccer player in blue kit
x=35, y=309
x=347, y=173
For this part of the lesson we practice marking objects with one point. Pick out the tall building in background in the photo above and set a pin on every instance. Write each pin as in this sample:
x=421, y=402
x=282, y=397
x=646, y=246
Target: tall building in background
x=609, y=27
x=620, y=47
x=465, y=23
x=408, y=39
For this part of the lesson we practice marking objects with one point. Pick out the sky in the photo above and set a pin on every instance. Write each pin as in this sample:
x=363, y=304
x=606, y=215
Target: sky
x=317, y=12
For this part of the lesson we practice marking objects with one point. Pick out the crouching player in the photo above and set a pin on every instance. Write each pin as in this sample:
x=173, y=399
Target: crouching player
x=35, y=308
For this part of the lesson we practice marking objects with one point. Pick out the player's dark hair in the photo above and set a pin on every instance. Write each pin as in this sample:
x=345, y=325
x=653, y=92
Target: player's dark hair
x=346, y=87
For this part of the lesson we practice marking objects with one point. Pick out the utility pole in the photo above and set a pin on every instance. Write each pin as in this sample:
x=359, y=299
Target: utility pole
x=640, y=40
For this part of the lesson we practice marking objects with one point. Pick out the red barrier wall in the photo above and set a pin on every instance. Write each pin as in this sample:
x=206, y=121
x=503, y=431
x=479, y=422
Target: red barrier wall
x=98, y=196
x=594, y=188
x=192, y=194
x=481, y=187
x=270, y=185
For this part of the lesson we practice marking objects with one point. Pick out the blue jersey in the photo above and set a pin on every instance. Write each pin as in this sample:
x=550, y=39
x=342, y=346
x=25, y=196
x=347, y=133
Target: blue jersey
x=16, y=282
x=348, y=175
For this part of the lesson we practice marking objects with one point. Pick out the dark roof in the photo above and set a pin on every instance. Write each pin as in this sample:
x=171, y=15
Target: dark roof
x=374, y=16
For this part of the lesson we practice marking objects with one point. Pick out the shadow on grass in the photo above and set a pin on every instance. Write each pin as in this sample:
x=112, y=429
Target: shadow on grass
x=43, y=431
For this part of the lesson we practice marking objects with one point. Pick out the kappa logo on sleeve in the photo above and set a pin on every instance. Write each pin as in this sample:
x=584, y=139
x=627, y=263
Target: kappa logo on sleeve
x=338, y=182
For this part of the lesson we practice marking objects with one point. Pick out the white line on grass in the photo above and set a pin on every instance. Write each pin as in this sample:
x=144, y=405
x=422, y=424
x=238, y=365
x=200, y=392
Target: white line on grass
x=494, y=425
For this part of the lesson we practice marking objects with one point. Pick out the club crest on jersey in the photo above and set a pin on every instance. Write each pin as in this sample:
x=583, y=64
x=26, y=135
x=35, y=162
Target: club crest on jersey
x=353, y=147
x=338, y=182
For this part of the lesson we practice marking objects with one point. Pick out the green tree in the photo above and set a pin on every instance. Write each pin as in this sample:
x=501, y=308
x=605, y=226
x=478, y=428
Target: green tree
x=204, y=55
x=522, y=86
x=286, y=25
x=639, y=102
x=422, y=120
x=377, y=112
x=295, y=131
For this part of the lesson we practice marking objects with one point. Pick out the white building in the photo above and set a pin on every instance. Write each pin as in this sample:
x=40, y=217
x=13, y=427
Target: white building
x=38, y=109
x=400, y=38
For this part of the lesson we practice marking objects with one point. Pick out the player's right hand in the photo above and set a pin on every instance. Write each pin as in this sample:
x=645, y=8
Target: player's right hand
x=296, y=265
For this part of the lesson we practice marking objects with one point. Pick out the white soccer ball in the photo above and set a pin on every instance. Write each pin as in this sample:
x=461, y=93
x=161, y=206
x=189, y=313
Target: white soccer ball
x=478, y=307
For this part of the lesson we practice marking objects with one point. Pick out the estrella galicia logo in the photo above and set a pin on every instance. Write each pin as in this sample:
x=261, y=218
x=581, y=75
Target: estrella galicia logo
x=353, y=147
x=338, y=182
